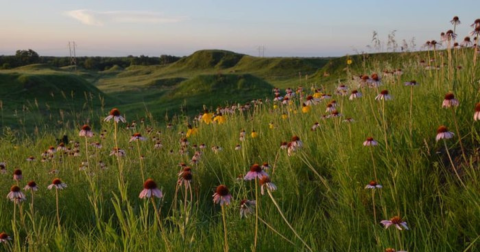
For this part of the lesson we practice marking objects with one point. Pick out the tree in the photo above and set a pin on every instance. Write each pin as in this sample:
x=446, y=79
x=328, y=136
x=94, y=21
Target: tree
x=26, y=57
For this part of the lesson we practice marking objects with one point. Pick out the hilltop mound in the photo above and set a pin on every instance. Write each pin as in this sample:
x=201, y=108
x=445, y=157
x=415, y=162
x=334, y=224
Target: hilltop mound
x=34, y=67
x=15, y=87
x=207, y=59
x=214, y=90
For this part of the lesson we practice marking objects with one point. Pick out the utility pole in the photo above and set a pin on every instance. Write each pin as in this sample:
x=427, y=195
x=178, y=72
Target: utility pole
x=261, y=51
x=73, y=54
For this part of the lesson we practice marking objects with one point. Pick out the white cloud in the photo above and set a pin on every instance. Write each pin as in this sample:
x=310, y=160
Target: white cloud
x=100, y=18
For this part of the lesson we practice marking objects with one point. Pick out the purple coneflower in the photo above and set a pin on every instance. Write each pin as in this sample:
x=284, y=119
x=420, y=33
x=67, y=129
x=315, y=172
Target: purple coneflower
x=411, y=83
x=221, y=195
x=86, y=131
x=185, y=178
x=255, y=171
x=17, y=174
x=115, y=114
x=16, y=195
x=58, y=184
x=31, y=186
x=355, y=94
x=443, y=133
x=383, y=96
x=150, y=189
x=266, y=184
x=476, y=116
x=117, y=152
x=397, y=221
x=455, y=21
x=4, y=237
x=373, y=185
x=450, y=101
x=246, y=207
x=370, y=142
x=136, y=137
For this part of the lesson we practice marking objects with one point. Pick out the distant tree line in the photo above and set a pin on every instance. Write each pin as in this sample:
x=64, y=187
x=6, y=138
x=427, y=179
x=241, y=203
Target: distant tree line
x=27, y=57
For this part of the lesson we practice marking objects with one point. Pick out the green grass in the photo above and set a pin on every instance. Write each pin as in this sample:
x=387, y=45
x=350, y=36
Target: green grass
x=321, y=187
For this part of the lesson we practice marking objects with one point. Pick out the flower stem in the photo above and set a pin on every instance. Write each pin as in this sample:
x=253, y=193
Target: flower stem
x=157, y=214
x=256, y=216
x=459, y=136
x=224, y=228
x=453, y=165
x=58, y=212
x=374, y=208
x=286, y=221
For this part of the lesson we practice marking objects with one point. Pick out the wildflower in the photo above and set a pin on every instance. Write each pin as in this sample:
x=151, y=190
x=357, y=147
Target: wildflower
x=284, y=116
x=185, y=179
x=255, y=171
x=16, y=195
x=355, y=94
x=411, y=83
x=238, y=147
x=254, y=134
x=216, y=149
x=242, y=135
x=220, y=119
x=246, y=207
x=17, y=174
x=443, y=133
x=475, y=32
x=283, y=145
x=296, y=142
x=466, y=42
x=136, y=137
x=393, y=250
x=305, y=108
x=31, y=158
x=397, y=221
x=476, y=116
x=150, y=189
x=476, y=23
x=334, y=113
x=455, y=21
x=115, y=114
x=330, y=107
x=117, y=152
x=51, y=150
x=191, y=131
x=158, y=145
x=373, y=185
x=221, y=195
x=370, y=142
x=271, y=125
x=86, y=131
x=97, y=145
x=374, y=80
x=4, y=238
x=31, y=186
x=383, y=96
x=450, y=101
x=315, y=126
x=310, y=100
x=202, y=146
x=207, y=117
x=58, y=184
x=266, y=183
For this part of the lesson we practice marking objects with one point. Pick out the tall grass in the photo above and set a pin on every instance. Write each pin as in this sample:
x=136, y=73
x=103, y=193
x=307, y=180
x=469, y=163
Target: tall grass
x=320, y=204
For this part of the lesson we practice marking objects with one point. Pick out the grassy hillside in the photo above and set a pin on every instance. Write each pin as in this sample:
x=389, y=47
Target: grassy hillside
x=390, y=179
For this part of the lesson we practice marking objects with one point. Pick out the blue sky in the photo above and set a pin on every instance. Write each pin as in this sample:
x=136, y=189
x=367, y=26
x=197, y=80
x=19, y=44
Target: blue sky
x=303, y=28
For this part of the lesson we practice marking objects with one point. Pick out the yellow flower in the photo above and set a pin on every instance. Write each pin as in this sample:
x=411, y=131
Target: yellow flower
x=349, y=61
x=275, y=106
x=207, y=117
x=317, y=95
x=305, y=108
x=220, y=119
x=192, y=131
x=271, y=126
x=254, y=134
x=284, y=116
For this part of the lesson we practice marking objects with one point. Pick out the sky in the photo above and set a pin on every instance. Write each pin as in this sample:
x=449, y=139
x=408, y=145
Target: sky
x=285, y=28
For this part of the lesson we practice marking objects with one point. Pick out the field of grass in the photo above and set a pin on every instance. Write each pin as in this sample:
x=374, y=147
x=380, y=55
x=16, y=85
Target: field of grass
x=320, y=201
